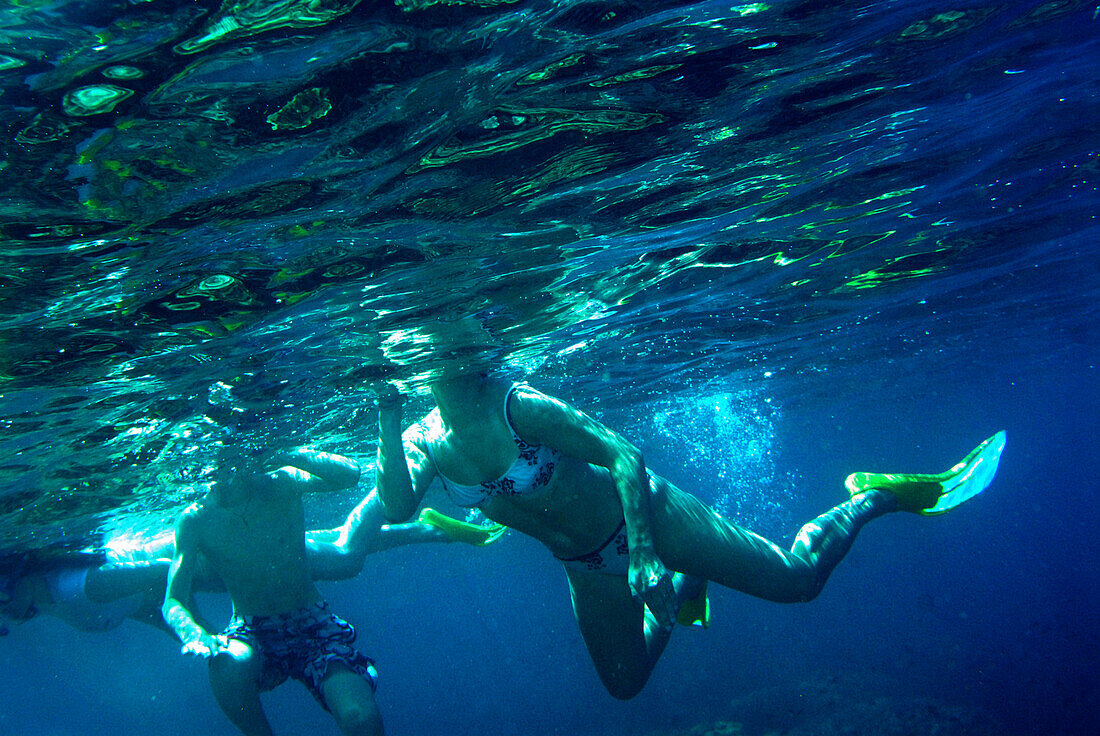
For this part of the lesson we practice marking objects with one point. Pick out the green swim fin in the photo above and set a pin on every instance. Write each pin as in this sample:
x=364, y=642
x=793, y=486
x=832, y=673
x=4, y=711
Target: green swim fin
x=462, y=531
x=935, y=494
x=695, y=612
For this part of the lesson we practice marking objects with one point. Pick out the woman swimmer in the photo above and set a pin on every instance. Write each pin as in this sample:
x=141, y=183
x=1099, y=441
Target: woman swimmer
x=637, y=550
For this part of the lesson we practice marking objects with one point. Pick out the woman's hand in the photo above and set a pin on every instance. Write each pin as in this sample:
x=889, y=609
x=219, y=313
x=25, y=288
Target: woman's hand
x=393, y=478
x=390, y=402
x=386, y=395
x=651, y=583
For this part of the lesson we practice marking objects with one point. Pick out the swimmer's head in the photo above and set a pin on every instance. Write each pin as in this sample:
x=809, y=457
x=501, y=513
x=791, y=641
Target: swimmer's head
x=239, y=434
x=240, y=461
x=445, y=348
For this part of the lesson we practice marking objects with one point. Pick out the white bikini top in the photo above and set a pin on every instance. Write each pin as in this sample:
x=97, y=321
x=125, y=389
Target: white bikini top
x=530, y=473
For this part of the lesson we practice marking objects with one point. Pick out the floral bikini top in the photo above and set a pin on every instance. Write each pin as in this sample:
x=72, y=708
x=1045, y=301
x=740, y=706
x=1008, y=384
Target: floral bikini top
x=530, y=473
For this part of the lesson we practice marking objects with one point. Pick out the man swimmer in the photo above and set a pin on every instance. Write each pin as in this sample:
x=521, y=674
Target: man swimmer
x=96, y=592
x=86, y=592
x=250, y=528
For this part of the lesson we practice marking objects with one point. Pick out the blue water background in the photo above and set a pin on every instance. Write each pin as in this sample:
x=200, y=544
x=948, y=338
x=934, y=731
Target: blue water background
x=940, y=283
x=992, y=607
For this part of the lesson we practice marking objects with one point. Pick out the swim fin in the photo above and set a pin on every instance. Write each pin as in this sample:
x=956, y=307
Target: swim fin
x=462, y=531
x=696, y=611
x=935, y=494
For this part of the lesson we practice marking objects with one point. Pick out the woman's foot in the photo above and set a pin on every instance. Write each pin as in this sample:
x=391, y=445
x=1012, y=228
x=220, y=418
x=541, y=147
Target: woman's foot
x=454, y=530
x=691, y=594
x=930, y=494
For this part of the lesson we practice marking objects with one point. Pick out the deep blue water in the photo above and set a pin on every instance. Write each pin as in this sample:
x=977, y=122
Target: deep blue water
x=771, y=243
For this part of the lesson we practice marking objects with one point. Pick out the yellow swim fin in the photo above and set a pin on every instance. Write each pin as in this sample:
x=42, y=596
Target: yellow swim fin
x=462, y=531
x=930, y=494
x=695, y=612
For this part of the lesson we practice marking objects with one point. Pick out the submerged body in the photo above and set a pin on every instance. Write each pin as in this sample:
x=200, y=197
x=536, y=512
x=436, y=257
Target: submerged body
x=251, y=531
x=126, y=580
x=636, y=548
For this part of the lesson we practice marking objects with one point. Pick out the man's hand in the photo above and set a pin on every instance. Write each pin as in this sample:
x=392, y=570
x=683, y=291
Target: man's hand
x=651, y=583
x=206, y=646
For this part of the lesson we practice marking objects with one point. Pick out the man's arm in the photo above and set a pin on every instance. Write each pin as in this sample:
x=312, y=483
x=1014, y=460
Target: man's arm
x=336, y=471
x=181, y=576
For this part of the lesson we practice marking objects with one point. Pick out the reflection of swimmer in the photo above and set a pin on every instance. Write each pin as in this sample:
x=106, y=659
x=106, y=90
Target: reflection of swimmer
x=97, y=592
x=542, y=467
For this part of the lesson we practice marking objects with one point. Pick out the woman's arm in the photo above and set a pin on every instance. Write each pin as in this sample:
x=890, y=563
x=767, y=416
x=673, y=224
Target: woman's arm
x=337, y=554
x=544, y=420
x=404, y=469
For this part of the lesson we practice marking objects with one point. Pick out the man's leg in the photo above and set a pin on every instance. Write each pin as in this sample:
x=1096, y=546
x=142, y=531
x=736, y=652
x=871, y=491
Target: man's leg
x=235, y=677
x=350, y=699
x=109, y=583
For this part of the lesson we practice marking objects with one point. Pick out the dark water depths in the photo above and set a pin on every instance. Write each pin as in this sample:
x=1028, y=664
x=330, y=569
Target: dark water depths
x=772, y=243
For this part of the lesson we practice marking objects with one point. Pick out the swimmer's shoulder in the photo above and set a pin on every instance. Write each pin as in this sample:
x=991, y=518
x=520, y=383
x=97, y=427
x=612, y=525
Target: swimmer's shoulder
x=189, y=525
x=428, y=429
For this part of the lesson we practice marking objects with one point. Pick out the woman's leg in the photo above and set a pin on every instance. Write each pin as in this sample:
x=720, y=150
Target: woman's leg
x=337, y=554
x=623, y=638
x=612, y=623
x=693, y=538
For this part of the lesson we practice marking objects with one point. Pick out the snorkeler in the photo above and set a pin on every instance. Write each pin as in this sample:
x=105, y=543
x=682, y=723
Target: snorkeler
x=250, y=527
x=97, y=591
x=89, y=591
x=637, y=550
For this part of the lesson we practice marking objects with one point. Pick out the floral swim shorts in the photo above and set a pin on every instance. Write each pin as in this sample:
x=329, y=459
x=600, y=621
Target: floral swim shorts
x=301, y=644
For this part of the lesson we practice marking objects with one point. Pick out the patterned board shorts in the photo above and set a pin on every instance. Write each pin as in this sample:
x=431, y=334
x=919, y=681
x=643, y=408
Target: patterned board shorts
x=301, y=644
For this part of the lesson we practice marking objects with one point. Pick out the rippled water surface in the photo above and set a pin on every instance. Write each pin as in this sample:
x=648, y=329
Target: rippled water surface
x=641, y=197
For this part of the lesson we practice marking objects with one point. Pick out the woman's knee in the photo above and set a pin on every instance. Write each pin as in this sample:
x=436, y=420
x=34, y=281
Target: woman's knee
x=808, y=591
x=804, y=586
x=622, y=685
x=622, y=678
